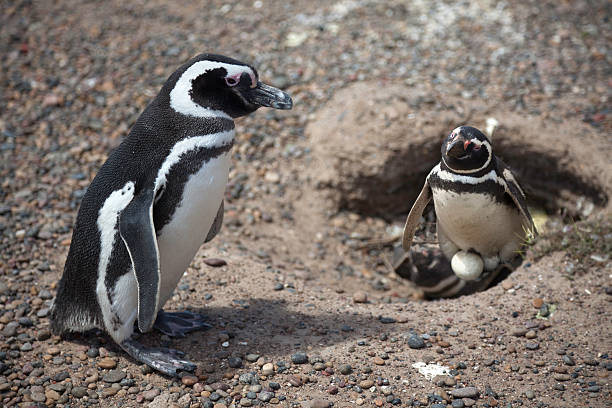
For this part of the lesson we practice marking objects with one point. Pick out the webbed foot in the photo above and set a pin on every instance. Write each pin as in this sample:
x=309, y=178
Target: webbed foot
x=165, y=360
x=178, y=324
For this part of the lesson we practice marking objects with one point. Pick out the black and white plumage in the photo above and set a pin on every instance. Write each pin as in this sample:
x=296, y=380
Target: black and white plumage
x=157, y=198
x=481, y=210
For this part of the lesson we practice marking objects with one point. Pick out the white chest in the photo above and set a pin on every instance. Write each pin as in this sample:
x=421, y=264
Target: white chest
x=182, y=236
x=477, y=221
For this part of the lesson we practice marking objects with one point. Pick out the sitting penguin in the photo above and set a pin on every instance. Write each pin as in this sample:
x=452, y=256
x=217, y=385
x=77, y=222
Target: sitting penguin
x=481, y=210
x=157, y=198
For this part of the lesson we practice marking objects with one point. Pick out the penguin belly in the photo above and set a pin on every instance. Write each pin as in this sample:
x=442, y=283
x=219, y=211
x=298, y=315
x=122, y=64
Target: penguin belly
x=179, y=240
x=479, y=222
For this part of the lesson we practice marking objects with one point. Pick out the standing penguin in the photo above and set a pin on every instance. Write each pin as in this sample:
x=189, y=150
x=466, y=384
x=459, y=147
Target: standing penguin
x=157, y=198
x=481, y=210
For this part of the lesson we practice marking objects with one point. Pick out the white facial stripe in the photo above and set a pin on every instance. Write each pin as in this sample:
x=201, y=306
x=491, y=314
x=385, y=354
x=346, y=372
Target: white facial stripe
x=448, y=176
x=107, y=226
x=185, y=145
x=484, y=166
x=180, y=99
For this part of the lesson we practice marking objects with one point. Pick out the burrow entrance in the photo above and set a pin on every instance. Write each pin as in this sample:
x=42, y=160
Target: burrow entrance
x=375, y=146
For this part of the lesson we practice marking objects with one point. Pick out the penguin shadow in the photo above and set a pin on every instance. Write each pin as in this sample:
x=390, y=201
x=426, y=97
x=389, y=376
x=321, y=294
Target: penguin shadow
x=273, y=329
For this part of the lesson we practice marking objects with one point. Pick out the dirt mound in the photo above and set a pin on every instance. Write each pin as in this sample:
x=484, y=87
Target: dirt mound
x=375, y=144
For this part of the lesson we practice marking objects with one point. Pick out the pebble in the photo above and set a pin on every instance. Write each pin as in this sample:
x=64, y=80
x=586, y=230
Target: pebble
x=150, y=394
x=532, y=345
x=346, y=369
x=360, y=297
x=235, y=362
x=416, y=342
x=366, y=383
x=299, y=358
x=108, y=363
x=567, y=360
x=113, y=376
x=79, y=392
x=378, y=361
x=316, y=403
x=531, y=334
x=214, y=262
x=537, y=303
x=93, y=352
x=265, y=396
x=251, y=358
x=467, y=392
x=267, y=369
x=61, y=376
x=189, y=380
x=561, y=377
x=459, y=403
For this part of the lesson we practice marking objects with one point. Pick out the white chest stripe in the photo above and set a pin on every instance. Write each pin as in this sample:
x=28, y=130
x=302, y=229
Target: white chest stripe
x=107, y=226
x=180, y=98
x=186, y=145
x=448, y=176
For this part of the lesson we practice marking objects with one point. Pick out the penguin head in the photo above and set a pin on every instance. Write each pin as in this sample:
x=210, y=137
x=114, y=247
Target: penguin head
x=466, y=150
x=214, y=85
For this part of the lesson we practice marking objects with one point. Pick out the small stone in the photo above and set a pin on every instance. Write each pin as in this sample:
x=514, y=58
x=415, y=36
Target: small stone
x=360, y=297
x=79, y=392
x=214, y=262
x=316, y=403
x=529, y=394
x=507, y=285
x=519, y=332
x=189, y=380
x=299, y=358
x=113, y=376
x=346, y=369
x=459, y=403
x=150, y=394
x=267, y=369
x=366, y=384
x=26, y=346
x=532, y=345
x=531, y=334
x=466, y=392
x=265, y=396
x=332, y=389
x=295, y=380
x=61, y=376
x=469, y=402
x=107, y=363
x=10, y=329
x=235, y=362
x=251, y=358
x=93, y=352
x=537, y=303
x=379, y=361
x=52, y=395
x=561, y=377
x=568, y=360
x=416, y=342
x=38, y=396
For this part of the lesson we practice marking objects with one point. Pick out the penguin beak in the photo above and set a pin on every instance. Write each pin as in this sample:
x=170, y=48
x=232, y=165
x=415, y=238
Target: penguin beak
x=266, y=95
x=457, y=148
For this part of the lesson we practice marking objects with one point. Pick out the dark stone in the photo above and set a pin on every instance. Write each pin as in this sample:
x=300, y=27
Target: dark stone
x=299, y=358
x=416, y=342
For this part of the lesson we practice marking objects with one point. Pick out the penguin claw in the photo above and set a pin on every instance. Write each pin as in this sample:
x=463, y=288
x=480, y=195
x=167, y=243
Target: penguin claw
x=178, y=324
x=165, y=360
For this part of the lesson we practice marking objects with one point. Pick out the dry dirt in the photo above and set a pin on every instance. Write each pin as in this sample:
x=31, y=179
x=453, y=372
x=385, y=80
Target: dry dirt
x=317, y=196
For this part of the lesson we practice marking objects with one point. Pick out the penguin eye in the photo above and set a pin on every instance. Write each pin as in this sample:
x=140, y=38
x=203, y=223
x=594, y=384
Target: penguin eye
x=231, y=81
x=476, y=147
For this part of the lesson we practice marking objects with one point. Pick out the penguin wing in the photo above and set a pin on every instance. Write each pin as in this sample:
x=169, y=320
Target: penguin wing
x=412, y=222
x=138, y=232
x=515, y=191
x=216, y=226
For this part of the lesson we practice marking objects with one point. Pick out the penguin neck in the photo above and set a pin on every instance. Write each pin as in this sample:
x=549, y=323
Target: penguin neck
x=475, y=174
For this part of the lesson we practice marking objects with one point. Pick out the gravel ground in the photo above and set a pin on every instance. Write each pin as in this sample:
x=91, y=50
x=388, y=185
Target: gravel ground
x=304, y=314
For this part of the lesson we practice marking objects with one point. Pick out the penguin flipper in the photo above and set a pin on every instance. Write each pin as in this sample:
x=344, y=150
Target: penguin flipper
x=138, y=233
x=412, y=221
x=514, y=190
x=216, y=225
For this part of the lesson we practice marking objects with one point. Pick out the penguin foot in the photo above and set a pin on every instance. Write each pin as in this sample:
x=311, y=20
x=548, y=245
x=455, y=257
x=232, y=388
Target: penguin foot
x=165, y=360
x=178, y=324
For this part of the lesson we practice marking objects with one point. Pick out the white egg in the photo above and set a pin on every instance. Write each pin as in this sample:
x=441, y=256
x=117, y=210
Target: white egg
x=467, y=265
